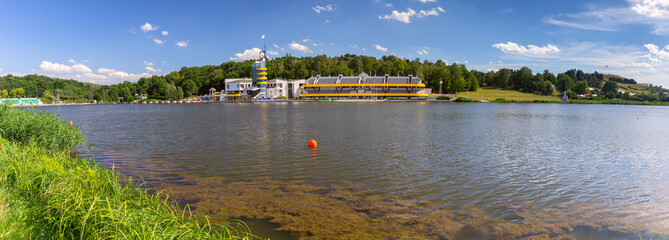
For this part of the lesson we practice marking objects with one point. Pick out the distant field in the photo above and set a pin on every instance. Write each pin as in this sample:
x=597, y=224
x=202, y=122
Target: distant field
x=492, y=94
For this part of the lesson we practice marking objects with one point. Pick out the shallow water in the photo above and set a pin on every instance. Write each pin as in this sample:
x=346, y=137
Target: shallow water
x=512, y=162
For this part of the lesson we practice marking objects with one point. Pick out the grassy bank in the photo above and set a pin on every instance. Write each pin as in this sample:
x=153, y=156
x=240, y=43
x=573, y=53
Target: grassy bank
x=46, y=193
x=489, y=94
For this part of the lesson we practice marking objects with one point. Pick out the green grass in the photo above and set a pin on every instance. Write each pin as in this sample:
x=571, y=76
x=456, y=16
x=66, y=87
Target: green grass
x=29, y=126
x=46, y=193
x=491, y=94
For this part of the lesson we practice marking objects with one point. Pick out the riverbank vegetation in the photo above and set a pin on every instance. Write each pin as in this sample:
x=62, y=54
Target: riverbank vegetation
x=48, y=193
x=438, y=75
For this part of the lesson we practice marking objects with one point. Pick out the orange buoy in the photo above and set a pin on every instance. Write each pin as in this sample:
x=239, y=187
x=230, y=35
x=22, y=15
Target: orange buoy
x=312, y=143
x=70, y=123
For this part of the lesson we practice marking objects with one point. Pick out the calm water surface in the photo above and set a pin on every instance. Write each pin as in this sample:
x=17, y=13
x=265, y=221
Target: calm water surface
x=485, y=155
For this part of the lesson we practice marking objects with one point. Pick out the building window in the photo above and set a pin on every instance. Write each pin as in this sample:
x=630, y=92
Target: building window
x=280, y=84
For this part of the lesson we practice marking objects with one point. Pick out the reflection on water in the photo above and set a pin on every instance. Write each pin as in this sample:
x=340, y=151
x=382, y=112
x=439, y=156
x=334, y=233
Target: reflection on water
x=496, y=158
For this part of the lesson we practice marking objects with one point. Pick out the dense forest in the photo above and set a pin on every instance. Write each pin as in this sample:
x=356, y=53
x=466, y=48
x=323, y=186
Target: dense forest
x=454, y=78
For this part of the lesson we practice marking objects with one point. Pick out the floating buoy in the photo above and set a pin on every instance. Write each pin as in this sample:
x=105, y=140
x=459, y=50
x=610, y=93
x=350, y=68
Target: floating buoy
x=312, y=143
x=70, y=123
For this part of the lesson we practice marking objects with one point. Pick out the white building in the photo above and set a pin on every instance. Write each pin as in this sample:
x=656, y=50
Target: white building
x=237, y=89
x=285, y=88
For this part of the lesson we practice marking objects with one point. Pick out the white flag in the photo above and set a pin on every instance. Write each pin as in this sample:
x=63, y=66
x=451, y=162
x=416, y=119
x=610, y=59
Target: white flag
x=263, y=36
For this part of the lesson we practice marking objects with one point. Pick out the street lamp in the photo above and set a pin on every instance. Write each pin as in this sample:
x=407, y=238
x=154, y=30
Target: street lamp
x=440, y=83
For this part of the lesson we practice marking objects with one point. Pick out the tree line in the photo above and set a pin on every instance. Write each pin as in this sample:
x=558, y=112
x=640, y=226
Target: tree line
x=190, y=81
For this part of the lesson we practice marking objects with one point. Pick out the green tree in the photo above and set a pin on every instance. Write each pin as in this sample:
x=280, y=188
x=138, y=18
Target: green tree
x=473, y=83
x=4, y=93
x=127, y=95
x=610, y=87
x=564, y=83
x=581, y=87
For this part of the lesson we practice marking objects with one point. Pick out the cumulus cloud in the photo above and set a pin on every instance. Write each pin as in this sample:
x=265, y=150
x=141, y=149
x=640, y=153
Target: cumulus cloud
x=82, y=72
x=655, y=53
x=530, y=50
x=164, y=33
x=148, y=27
x=378, y=47
x=300, y=47
x=326, y=8
x=246, y=55
x=405, y=17
x=61, y=68
x=150, y=69
x=72, y=61
x=270, y=52
x=120, y=75
x=652, y=8
x=158, y=41
x=183, y=43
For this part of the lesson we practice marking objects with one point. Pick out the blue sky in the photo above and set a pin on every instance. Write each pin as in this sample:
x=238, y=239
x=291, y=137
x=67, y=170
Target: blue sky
x=108, y=42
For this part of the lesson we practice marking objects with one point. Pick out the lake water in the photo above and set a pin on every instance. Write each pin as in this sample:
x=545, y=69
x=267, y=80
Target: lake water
x=437, y=170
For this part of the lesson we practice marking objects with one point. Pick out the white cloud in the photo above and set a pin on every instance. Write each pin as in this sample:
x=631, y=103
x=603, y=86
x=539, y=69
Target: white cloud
x=353, y=46
x=150, y=69
x=89, y=76
x=427, y=1
x=431, y=12
x=652, y=8
x=164, y=33
x=405, y=17
x=72, y=61
x=300, y=47
x=148, y=27
x=270, y=52
x=649, y=12
x=327, y=20
x=119, y=75
x=158, y=41
x=388, y=5
x=246, y=55
x=148, y=63
x=61, y=68
x=0, y=69
x=326, y=8
x=364, y=49
x=306, y=40
x=183, y=43
x=423, y=51
x=277, y=46
x=132, y=30
x=655, y=53
x=530, y=50
x=378, y=47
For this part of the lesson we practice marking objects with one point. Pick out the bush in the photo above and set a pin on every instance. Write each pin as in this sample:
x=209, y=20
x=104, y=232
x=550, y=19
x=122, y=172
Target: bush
x=443, y=97
x=28, y=126
x=464, y=99
x=503, y=100
x=46, y=100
